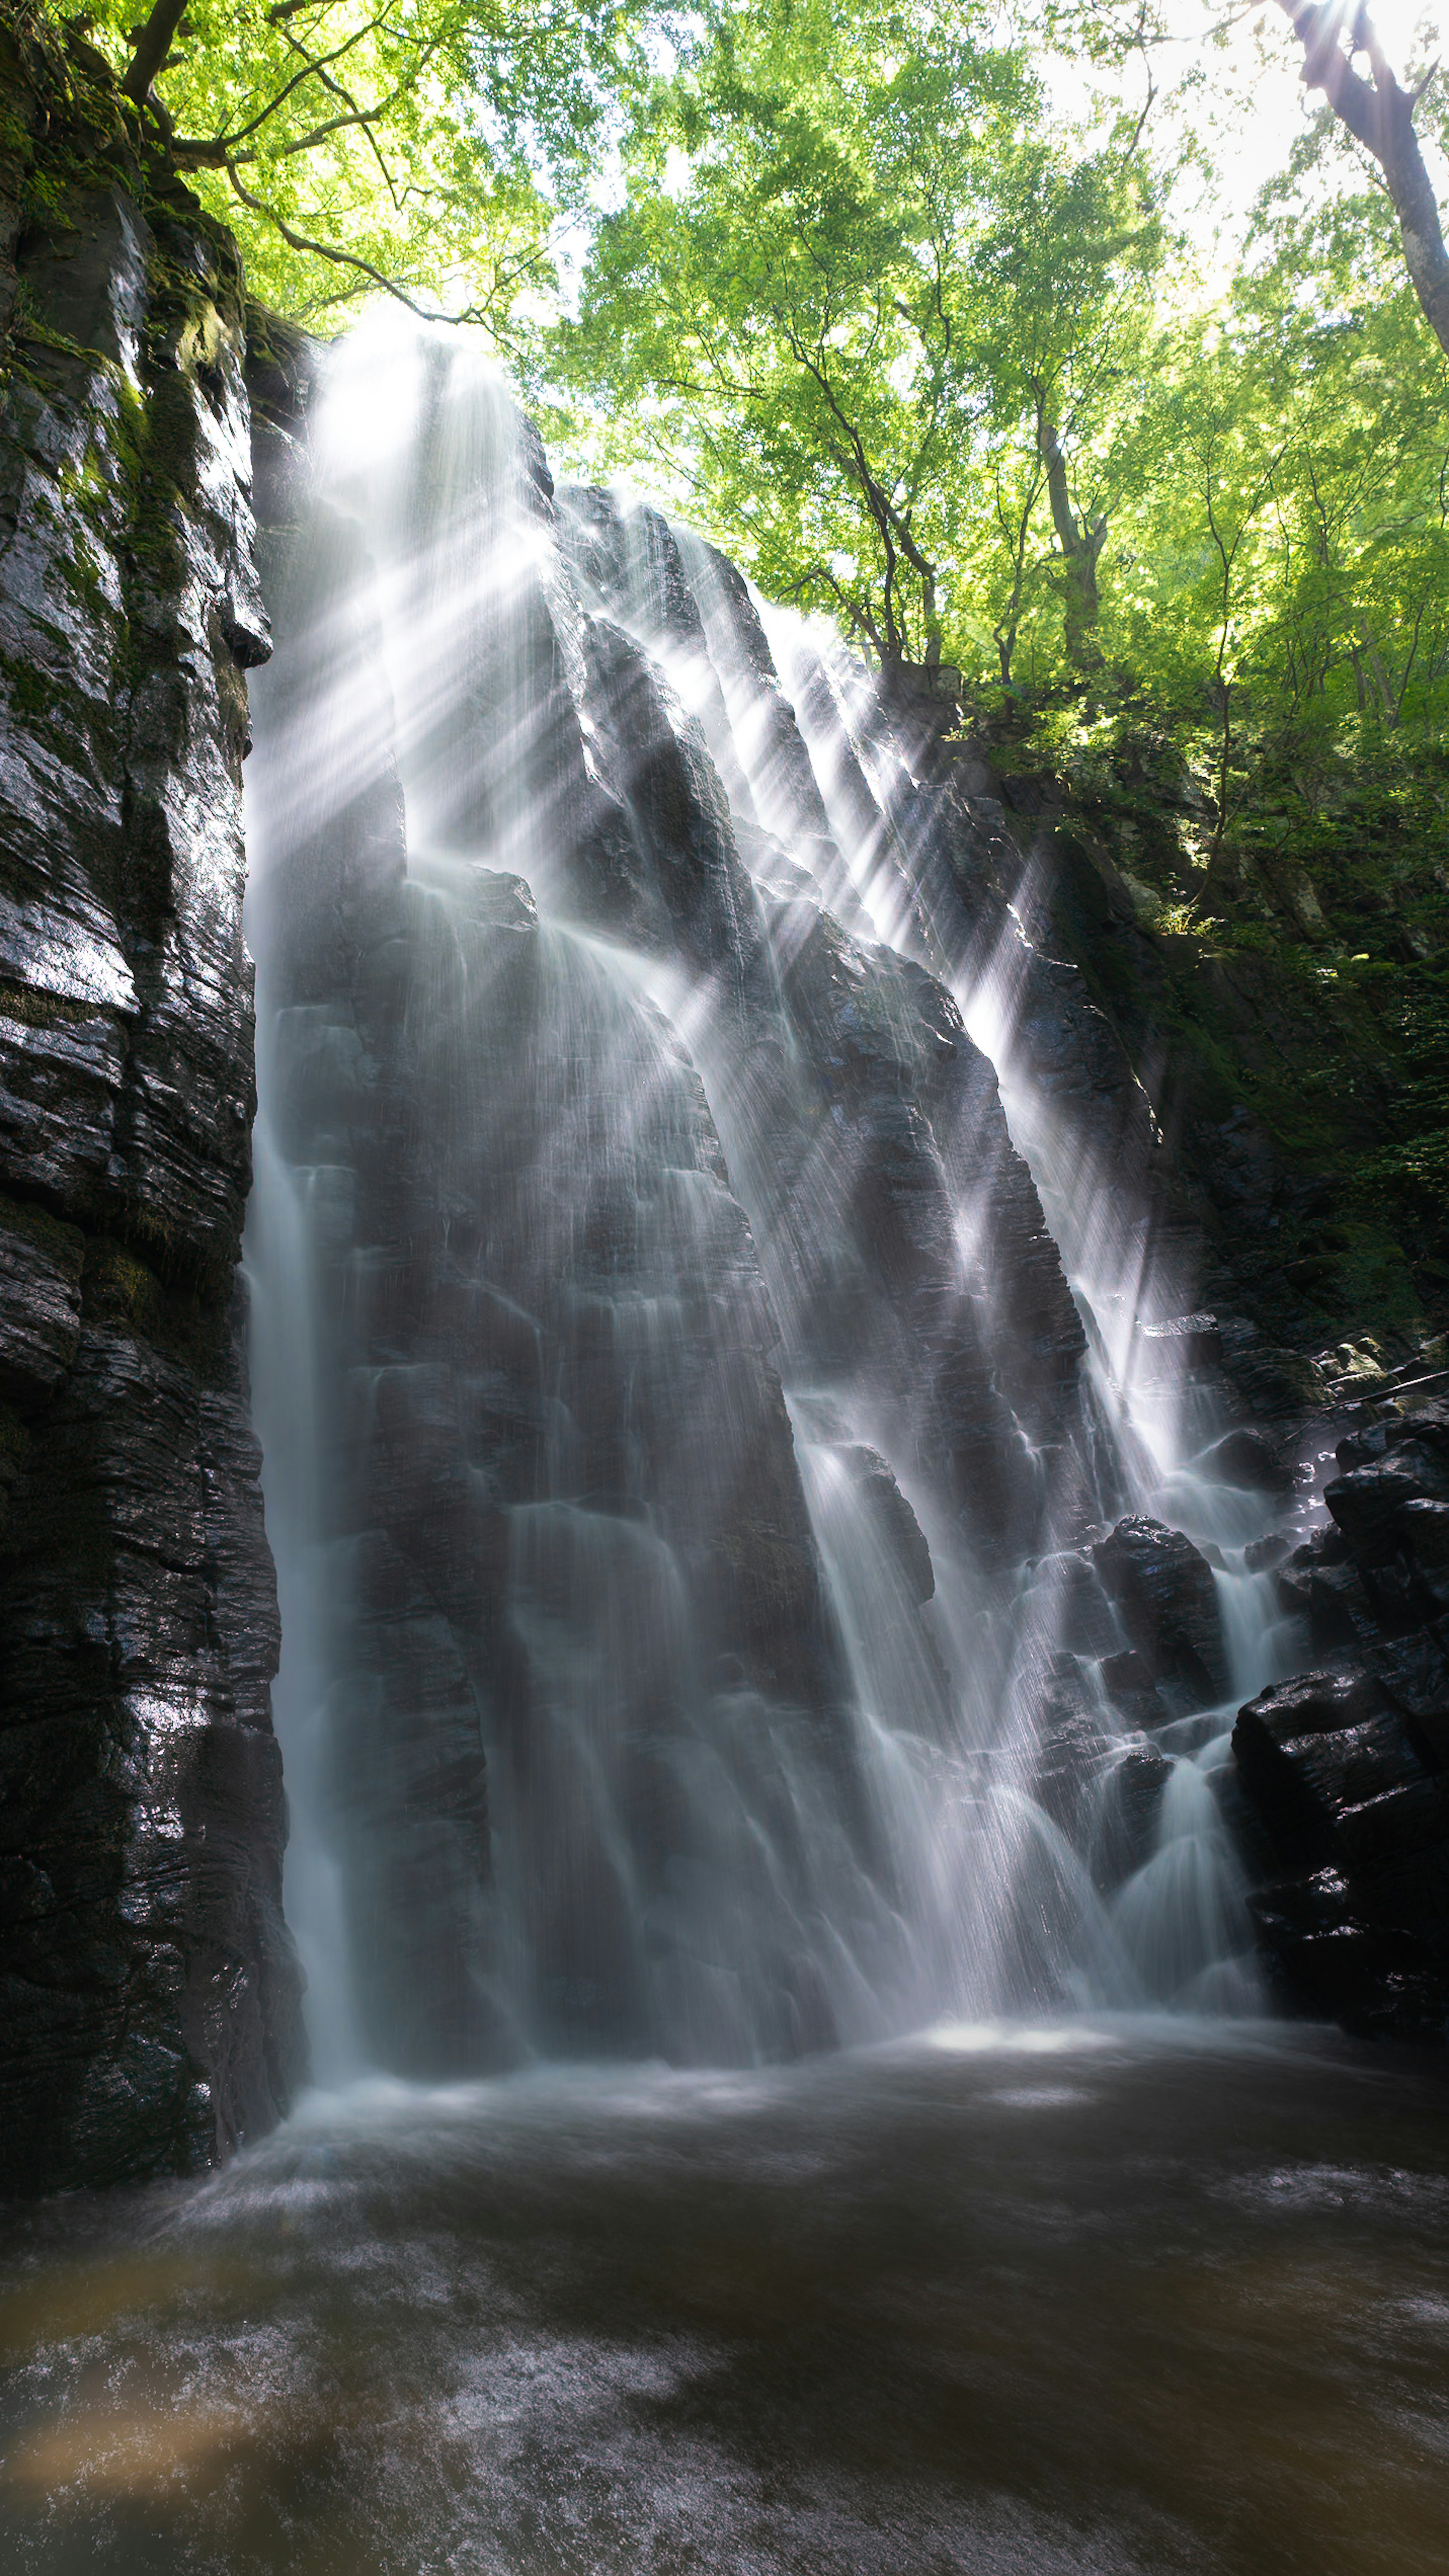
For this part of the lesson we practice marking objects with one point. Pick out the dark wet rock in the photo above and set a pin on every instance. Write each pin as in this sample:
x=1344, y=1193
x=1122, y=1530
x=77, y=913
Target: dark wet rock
x=1321, y=1583
x=1413, y=1673
x=1334, y=1961
x=1102, y=1792
x=41, y=1259
x=1086, y=1621
x=1356, y=1791
x=1131, y=1809
x=900, y=1531
x=1164, y=1590
x=1249, y=1459
x=1074, y=1749
x=148, y=1990
x=1390, y=1508
x=1128, y=1681
x=1277, y=1384
x=1425, y=1426
x=1422, y=1528
x=1348, y=1771
x=1366, y=1502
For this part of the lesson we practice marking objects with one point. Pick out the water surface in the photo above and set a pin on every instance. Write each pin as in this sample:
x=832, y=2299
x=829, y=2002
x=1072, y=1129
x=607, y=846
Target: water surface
x=1088, y=2297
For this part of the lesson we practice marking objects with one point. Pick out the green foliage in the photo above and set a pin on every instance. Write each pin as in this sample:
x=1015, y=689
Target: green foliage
x=936, y=361
x=416, y=145
x=847, y=285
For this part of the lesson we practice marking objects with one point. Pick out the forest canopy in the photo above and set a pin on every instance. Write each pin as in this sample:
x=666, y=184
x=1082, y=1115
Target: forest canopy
x=958, y=370
x=920, y=310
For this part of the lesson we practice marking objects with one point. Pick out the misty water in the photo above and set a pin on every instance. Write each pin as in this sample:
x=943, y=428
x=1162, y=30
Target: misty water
x=753, y=2127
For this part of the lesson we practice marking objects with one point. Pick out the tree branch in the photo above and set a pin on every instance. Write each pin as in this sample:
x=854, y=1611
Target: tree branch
x=153, y=44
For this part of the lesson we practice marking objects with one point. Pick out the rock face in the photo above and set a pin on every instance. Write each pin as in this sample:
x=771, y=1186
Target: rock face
x=1347, y=1768
x=596, y=1771
x=150, y=2005
x=494, y=1238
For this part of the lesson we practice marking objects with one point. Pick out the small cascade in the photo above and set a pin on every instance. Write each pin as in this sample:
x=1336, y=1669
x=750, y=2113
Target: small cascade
x=692, y=1471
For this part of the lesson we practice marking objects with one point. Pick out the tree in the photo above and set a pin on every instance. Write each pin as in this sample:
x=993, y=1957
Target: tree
x=411, y=146
x=1065, y=283
x=1379, y=113
x=775, y=312
x=849, y=280
x=1371, y=105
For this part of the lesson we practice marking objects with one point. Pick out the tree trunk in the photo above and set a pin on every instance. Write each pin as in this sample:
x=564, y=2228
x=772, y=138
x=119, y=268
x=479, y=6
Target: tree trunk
x=1379, y=114
x=153, y=44
x=1379, y=673
x=1081, y=545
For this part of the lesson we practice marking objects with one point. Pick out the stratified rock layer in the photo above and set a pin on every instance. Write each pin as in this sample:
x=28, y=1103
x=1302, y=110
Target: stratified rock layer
x=149, y=1996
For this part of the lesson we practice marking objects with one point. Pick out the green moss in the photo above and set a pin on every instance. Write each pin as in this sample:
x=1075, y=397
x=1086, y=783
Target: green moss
x=62, y=1244
x=38, y=1010
x=150, y=1286
x=1317, y=997
x=121, y=1289
x=32, y=691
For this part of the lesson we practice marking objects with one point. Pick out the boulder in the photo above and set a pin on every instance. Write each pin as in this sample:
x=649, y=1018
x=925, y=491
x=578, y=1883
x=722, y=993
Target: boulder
x=1164, y=1591
x=1333, y=1959
x=1345, y=1770
x=1247, y=1459
x=1367, y=1501
x=1129, y=1684
x=1322, y=1584
x=1262, y=1555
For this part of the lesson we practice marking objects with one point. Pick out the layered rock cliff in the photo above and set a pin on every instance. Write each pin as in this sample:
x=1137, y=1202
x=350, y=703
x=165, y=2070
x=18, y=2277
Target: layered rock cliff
x=150, y=1996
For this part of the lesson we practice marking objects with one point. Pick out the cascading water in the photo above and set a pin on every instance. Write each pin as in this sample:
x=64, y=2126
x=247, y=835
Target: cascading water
x=683, y=1451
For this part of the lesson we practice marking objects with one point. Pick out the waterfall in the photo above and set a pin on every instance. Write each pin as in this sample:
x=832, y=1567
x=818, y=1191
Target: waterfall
x=688, y=1461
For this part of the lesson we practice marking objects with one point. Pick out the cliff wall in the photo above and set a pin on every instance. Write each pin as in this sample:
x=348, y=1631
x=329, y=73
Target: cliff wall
x=149, y=1995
